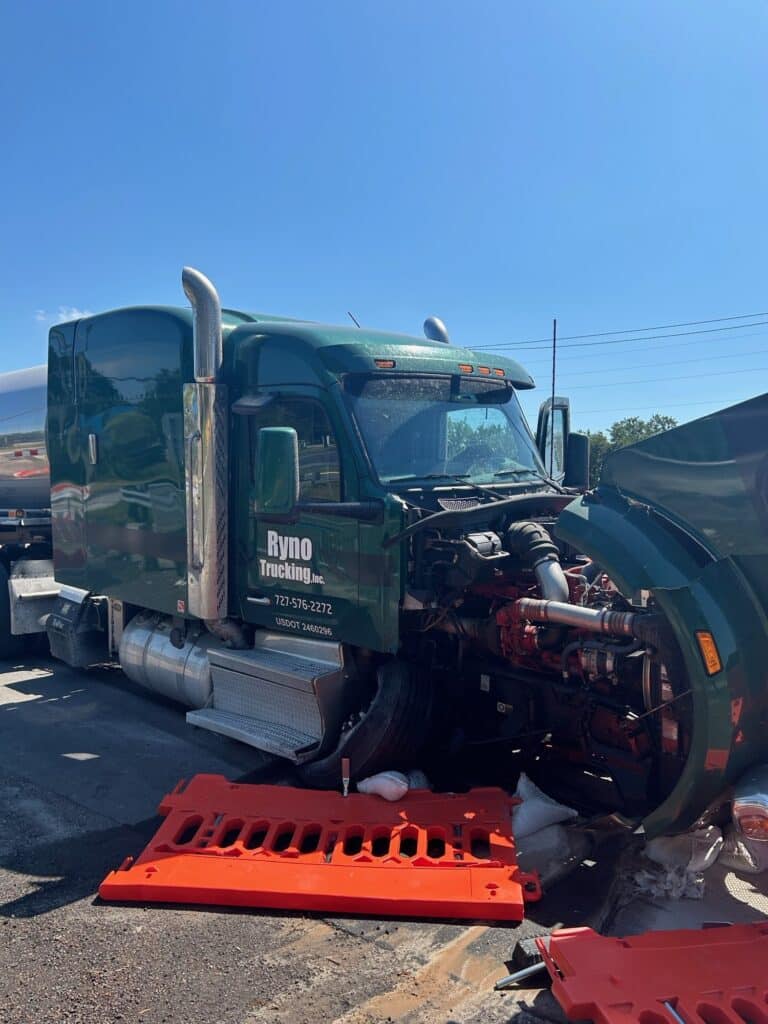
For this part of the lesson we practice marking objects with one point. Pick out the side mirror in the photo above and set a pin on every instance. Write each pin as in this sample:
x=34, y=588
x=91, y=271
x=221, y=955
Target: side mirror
x=552, y=433
x=577, y=462
x=277, y=471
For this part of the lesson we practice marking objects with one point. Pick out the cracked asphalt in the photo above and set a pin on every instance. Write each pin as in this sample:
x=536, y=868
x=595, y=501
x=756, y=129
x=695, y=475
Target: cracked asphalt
x=86, y=759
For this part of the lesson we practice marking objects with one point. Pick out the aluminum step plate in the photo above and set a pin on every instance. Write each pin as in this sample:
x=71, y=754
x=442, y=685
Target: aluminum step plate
x=272, y=737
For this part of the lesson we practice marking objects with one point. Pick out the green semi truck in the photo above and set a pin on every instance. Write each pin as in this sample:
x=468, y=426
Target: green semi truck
x=338, y=543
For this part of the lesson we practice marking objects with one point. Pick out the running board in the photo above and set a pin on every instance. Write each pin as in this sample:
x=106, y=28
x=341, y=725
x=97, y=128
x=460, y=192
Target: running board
x=284, y=696
x=267, y=736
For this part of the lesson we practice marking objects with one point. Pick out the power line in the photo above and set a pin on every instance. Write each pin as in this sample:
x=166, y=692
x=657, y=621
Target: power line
x=622, y=341
x=638, y=330
x=676, y=344
x=657, y=380
x=672, y=362
x=718, y=403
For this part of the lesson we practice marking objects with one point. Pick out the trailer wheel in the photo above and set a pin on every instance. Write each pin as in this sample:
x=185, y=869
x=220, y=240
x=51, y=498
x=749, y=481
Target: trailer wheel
x=389, y=736
x=10, y=645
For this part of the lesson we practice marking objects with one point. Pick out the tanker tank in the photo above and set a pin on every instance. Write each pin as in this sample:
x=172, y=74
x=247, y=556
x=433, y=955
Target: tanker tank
x=24, y=472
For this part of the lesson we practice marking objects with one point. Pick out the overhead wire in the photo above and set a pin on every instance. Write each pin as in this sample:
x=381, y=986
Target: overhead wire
x=657, y=380
x=639, y=330
x=622, y=341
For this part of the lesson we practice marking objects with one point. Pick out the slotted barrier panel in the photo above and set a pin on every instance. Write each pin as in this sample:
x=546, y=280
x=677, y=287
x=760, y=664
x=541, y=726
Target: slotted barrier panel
x=428, y=855
x=713, y=976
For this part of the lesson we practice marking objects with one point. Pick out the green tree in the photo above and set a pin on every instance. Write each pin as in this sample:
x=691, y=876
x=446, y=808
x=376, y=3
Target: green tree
x=620, y=434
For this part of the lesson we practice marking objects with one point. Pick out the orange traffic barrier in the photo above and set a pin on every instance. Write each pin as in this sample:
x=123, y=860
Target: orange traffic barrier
x=714, y=976
x=428, y=855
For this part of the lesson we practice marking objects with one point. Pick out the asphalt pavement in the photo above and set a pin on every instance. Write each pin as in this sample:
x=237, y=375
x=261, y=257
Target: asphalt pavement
x=87, y=756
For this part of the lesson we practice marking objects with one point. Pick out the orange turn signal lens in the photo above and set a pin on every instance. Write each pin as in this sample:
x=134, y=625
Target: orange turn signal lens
x=465, y=367
x=709, y=652
x=385, y=364
x=485, y=370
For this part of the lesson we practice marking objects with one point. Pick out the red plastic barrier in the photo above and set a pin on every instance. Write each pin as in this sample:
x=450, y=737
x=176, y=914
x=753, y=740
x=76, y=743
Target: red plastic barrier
x=715, y=976
x=429, y=855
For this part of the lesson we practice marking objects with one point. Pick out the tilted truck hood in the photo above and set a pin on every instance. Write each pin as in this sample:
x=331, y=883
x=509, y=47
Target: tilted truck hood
x=685, y=515
x=711, y=478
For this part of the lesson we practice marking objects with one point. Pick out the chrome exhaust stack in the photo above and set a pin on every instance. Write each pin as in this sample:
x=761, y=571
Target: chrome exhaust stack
x=205, y=457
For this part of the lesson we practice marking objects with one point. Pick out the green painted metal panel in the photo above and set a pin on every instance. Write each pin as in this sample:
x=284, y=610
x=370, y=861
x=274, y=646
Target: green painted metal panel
x=643, y=550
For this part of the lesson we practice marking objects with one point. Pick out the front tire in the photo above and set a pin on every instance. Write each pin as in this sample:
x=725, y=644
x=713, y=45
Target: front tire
x=390, y=734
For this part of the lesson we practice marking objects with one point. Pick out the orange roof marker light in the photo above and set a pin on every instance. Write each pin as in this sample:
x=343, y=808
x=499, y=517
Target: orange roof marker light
x=385, y=364
x=485, y=370
x=466, y=367
x=498, y=372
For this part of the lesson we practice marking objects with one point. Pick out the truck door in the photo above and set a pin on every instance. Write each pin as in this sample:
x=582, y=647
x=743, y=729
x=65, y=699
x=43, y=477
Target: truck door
x=300, y=573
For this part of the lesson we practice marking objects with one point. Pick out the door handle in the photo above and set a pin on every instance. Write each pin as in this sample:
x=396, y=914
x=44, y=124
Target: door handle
x=93, y=449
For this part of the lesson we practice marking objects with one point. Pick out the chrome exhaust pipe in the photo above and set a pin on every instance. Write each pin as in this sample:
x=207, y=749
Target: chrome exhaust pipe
x=206, y=308
x=205, y=457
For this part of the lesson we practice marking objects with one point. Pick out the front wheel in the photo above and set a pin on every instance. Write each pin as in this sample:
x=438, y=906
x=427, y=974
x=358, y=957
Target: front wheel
x=389, y=735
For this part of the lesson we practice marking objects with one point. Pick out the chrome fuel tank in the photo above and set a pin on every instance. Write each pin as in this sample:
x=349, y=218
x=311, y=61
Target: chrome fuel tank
x=25, y=481
x=149, y=657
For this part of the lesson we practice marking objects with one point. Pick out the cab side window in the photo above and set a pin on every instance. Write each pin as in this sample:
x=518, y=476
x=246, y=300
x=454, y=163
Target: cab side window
x=319, y=469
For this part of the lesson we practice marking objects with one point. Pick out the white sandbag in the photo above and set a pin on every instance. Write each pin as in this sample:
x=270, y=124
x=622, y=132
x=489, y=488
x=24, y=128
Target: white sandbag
x=418, y=780
x=389, y=785
x=537, y=809
x=693, y=851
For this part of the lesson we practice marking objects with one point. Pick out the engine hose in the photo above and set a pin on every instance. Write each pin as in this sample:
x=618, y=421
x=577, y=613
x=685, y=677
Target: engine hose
x=533, y=543
x=594, y=620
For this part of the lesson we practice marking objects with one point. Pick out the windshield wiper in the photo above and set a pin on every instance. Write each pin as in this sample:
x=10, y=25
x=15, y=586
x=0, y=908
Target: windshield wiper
x=461, y=478
x=516, y=472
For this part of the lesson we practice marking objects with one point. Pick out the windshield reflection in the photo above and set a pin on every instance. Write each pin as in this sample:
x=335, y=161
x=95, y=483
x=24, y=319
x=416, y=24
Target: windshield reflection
x=427, y=428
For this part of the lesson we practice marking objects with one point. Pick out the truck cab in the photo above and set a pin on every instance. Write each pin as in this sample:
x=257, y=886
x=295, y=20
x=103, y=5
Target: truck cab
x=344, y=545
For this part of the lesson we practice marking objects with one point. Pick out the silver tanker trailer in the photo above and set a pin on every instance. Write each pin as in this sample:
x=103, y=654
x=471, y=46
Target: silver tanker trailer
x=27, y=587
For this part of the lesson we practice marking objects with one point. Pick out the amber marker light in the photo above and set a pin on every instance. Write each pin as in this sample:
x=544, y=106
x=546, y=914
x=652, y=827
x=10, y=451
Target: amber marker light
x=465, y=367
x=498, y=372
x=385, y=364
x=709, y=652
x=485, y=370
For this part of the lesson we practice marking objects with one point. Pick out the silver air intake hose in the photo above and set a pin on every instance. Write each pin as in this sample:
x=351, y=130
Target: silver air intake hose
x=595, y=620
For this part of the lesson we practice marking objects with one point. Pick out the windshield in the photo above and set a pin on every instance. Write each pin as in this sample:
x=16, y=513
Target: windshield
x=420, y=427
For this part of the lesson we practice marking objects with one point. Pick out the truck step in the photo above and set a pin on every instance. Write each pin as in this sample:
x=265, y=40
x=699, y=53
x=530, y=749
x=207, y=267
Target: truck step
x=282, y=696
x=268, y=736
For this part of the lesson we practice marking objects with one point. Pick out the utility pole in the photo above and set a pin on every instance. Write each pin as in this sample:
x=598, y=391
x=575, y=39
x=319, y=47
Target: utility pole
x=552, y=409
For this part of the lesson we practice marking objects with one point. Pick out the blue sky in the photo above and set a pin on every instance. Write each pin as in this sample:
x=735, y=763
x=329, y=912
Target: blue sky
x=495, y=163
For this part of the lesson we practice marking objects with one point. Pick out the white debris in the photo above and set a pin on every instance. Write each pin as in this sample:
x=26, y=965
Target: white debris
x=693, y=851
x=389, y=785
x=673, y=883
x=537, y=810
x=747, y=856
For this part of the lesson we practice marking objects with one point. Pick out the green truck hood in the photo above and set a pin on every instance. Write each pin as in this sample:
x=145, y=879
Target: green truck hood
x=685, y=515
